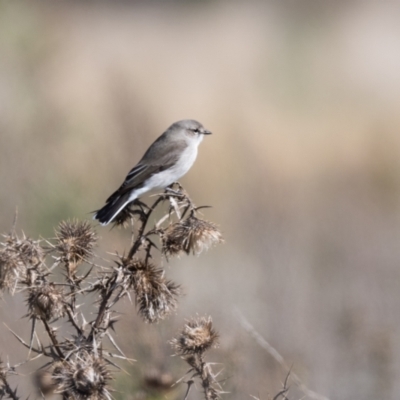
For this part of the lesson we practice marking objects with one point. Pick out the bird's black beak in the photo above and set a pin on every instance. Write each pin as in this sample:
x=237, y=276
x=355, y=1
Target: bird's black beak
x=206, y=132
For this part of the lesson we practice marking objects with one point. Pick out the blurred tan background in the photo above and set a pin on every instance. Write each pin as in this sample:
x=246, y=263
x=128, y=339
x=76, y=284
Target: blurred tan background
x=303, y=172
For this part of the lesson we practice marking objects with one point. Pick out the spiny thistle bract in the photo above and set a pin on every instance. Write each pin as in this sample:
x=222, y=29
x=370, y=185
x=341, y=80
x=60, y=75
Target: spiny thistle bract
x=45, y=302
x=17, y=257
x=75, y=241
x=155, y=296
x=192, y=235
x=10, y=271
x=30, y=252
x=83, y=377
x=196, y=337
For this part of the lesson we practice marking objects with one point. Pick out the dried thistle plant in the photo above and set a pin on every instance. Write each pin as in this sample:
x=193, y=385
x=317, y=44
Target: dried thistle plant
x=198, y=336
x=75, y=241
x=85, y=376
x=10, y=271
x=45, y=302
x=155, y=296
x=192, y=235
x=78, y=364
x=18, y=256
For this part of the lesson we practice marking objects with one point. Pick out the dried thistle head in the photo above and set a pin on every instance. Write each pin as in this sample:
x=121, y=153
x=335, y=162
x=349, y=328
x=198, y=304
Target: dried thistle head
x=155, y=296
x=196, y=337
x=18, y=256
x=9, y=270
x=45, y=302
x=75, y=241
x=83, y=377
x=30, y=252
x=193, y=235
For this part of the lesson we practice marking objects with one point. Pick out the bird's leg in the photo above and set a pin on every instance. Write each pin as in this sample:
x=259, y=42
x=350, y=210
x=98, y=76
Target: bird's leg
x=172, y=191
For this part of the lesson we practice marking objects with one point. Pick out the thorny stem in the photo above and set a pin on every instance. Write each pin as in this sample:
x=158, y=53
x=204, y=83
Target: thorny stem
x=145, y=216
x=53, y=338
x=169, y=193
x=148, y=252
x=100, y=315
x=206, y=378
x=71, y=306
x=141, y=237
x=11, y=393
x=72, y=320
x=145, y=219
x=189, y=383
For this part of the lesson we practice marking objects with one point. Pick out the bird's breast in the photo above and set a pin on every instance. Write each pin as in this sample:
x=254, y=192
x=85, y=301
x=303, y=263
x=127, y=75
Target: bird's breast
x=174, y=172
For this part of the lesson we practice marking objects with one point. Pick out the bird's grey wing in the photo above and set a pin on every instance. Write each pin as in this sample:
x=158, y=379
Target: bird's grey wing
x=159, y=157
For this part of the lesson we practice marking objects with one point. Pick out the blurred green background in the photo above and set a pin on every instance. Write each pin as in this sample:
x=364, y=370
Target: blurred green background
x=303, y=171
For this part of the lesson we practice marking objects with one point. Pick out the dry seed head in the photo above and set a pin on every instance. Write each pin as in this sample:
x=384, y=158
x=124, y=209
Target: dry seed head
x=155, y=296
x=30, y=252
x=84, y=377
x=10, y=270
x=75, y=241
x=129, y=267
x=45, y=302
x=193, y=235
x=196, y=337
x=17, y=257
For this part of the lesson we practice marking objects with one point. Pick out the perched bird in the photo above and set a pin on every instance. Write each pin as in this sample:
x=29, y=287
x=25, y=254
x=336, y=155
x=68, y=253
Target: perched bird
x=165, y=161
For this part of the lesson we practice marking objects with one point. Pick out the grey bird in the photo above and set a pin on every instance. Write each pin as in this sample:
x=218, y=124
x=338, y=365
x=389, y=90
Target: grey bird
x=165, y=161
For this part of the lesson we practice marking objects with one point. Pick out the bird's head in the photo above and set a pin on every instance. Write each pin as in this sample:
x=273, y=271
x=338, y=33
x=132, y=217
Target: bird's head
x=190, y=129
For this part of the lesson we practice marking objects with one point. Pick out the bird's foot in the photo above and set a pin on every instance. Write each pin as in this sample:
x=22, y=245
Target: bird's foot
x=175, y=189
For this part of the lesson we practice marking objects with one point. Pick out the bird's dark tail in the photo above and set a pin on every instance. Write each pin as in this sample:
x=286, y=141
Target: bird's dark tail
x=115, y=204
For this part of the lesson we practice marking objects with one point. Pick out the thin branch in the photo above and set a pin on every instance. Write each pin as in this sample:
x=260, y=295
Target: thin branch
x=100, y=315
x=274, y=353
x=285, y=388
x=189, y=384
x=24, y=343
x=72, y=320
x=53, y=339
x=144, y=220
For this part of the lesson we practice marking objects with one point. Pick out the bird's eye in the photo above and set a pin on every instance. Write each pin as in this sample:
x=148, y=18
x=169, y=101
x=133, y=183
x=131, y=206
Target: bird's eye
x=196, y=130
